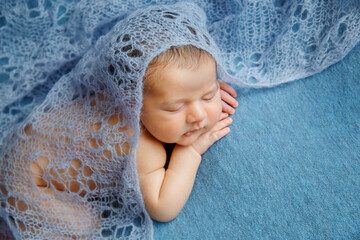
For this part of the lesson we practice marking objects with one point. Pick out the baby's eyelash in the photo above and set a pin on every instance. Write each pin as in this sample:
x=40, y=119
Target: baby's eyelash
x=208, y=98
x=173, y=109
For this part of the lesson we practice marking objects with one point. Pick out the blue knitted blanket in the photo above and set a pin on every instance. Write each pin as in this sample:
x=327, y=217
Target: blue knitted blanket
x=71, y=90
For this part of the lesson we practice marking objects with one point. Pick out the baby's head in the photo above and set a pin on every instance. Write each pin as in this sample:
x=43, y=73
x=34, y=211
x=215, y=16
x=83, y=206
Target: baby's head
x=181, y=97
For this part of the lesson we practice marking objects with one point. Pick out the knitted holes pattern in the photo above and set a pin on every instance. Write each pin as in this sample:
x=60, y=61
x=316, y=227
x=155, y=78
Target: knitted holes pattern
x=70, y=87
x=69, y=169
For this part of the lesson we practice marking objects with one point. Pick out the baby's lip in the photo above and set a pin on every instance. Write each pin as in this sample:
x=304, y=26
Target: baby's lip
x=189, y=133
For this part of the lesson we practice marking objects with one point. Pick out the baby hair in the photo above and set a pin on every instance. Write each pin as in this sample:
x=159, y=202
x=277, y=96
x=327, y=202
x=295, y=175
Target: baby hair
x=187, y=56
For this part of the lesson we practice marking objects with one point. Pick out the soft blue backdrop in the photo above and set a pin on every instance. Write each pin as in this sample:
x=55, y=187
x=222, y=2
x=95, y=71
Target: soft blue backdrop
x=290, y=168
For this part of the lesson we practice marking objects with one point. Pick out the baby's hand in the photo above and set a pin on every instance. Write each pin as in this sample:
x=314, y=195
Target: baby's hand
x=228, y=96
x=208, y=138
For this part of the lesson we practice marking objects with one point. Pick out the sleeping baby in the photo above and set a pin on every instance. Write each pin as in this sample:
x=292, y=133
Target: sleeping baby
x=119, y=139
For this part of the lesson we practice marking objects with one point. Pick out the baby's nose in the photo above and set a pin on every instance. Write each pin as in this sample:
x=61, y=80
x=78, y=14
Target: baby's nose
x=196, y=113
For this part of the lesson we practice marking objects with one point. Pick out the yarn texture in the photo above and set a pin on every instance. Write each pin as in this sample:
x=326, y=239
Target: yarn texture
x=71, y=94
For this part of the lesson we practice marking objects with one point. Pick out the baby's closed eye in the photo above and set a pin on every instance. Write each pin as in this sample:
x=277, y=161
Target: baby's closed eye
x=173, y=108
x=210, y=96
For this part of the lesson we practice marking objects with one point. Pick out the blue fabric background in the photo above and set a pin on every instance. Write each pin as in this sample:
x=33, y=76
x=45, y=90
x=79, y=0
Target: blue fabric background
x=290, y=168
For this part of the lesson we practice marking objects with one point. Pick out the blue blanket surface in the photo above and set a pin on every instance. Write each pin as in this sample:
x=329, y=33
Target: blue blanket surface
x=290, y=168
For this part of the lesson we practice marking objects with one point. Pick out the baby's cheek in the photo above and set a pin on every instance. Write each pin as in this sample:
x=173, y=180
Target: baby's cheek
x=215, y=113
x=219, y=107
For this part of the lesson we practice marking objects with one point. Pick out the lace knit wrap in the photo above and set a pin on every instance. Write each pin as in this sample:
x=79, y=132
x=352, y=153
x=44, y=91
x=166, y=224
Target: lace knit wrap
x=71, y=92
x=69, y=170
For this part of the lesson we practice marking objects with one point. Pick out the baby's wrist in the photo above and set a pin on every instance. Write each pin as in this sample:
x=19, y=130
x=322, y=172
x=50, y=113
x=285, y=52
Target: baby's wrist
x=198, y=148
x=190, y=151
x=193, y=149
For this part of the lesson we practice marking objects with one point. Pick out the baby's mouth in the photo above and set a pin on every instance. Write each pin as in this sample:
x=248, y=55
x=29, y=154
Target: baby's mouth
x=189, y=133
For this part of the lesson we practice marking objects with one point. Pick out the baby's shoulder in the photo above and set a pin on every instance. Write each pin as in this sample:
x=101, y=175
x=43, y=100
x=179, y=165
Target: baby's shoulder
x=150, y=154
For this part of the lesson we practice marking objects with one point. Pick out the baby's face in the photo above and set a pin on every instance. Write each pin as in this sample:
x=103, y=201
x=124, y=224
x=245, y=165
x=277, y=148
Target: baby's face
x=182, y=103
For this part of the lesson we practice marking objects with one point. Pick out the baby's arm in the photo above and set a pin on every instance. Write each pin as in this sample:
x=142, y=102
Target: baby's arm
x=165, y=191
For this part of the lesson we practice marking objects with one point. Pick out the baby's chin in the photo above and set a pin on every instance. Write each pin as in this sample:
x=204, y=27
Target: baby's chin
x=182, y=141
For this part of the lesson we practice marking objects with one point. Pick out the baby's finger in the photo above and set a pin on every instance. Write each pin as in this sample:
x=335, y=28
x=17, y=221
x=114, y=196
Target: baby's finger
x=222, y=124
x=223, y=116
x=227, y=108
x=220, y=134
x=226, y=87
x=226, y=97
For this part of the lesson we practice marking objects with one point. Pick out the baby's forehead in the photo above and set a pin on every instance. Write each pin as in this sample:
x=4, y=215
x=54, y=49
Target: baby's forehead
x=172, y=77
x=162, y=69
